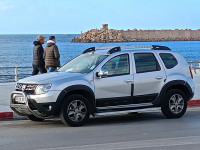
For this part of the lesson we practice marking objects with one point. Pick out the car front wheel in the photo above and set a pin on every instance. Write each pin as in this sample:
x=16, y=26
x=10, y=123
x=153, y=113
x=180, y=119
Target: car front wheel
x=75, y=110
x=175, y=104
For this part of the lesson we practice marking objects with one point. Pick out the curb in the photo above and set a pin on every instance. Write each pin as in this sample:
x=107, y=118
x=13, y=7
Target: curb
x=13, y=115
x=194, y=102
x=10, y=115
x=6, y=115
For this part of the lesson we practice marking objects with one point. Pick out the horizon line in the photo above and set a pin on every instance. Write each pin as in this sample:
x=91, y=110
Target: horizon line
x=95, y=29
x=36, y=33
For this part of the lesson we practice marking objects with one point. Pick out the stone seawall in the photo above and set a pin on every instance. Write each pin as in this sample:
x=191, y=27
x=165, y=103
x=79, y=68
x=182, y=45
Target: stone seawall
x=111, y=35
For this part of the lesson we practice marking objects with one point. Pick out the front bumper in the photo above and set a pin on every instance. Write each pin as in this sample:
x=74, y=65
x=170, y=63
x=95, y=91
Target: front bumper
x=30, y=106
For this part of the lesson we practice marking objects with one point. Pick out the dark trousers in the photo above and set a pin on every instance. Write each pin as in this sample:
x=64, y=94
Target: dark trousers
x=37, y=69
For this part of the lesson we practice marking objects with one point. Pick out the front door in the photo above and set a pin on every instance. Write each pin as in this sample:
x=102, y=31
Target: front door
x=114, y=88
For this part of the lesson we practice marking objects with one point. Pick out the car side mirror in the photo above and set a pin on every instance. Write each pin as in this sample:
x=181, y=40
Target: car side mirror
x=102, y=73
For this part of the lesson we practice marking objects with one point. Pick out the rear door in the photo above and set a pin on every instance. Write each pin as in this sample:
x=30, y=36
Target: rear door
x=149, y=77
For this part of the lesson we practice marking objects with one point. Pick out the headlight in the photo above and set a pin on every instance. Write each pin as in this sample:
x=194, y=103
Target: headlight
x=42, y=89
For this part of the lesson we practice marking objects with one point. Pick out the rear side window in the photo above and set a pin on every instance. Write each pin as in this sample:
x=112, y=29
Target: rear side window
x=169, y=60
x=146, y=62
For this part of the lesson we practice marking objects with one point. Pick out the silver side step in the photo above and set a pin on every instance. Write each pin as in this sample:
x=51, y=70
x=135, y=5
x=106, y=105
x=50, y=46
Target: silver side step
x=126, y=111
x=125, y=106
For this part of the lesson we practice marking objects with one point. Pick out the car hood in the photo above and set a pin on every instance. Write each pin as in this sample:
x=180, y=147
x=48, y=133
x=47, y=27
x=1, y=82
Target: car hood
x=48, y=77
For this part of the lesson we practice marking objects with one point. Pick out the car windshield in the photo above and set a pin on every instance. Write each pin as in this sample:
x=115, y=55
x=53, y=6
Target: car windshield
x=84, y=63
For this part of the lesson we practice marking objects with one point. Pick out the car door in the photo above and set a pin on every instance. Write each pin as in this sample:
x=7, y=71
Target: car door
x=149, y=77
x=114, y=88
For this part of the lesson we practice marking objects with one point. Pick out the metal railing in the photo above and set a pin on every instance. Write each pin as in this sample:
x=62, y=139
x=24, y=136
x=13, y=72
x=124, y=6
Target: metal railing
x=194, y=65
x=16, y=74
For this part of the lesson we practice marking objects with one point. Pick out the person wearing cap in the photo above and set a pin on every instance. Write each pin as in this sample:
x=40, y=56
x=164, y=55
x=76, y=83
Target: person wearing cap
x=51, y=55
x=38, y=60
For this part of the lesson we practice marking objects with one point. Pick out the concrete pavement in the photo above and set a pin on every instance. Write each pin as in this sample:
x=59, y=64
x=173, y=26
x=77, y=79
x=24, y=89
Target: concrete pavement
x=197, y=86
x=146, y=131
x=5, y=90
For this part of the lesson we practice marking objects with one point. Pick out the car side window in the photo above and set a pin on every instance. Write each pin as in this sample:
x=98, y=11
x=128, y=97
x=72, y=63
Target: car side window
x=119, y=65
x=146, y=62
x=169, y=60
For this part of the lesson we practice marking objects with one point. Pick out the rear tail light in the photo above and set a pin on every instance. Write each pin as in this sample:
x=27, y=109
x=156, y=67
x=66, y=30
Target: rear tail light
x=191, y=72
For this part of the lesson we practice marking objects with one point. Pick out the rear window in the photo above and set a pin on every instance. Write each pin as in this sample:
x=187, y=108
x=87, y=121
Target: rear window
x=146, y=62
x=169, y=60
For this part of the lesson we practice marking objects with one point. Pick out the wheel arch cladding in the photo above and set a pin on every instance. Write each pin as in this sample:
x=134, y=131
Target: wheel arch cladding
x=83, y=90
x=175, y=84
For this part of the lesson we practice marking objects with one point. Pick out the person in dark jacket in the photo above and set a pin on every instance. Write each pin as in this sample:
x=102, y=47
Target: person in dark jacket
x=38, y=60
x=51, y=55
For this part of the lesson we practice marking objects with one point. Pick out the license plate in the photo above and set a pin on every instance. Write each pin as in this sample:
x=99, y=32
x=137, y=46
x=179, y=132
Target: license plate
x=19, y=99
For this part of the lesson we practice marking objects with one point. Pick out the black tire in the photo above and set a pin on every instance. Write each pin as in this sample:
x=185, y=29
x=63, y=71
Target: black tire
x=33, y=118
x=175, y=104
x=75, y=110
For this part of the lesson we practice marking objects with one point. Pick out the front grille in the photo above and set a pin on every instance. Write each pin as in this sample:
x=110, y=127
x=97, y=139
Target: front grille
x=27, y=88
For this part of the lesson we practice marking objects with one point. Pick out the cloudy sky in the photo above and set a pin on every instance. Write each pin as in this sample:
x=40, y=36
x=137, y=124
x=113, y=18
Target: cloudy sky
x=74, y=16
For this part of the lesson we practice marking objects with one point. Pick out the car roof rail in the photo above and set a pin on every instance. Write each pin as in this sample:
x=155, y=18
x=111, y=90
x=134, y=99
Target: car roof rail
x=114, y=49
x=158, y=47
x=118, y=48
x=91, y=49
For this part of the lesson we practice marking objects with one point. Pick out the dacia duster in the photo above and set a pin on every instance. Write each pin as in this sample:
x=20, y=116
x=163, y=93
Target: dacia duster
x=108, y=81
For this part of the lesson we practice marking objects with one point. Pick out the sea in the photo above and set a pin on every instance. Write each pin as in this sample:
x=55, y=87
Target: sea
x=17, y=50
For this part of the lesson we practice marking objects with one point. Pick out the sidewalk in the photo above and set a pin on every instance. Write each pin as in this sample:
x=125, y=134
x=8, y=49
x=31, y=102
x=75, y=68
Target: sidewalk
x=7, y=88
x=5, y=91
x=197, y=86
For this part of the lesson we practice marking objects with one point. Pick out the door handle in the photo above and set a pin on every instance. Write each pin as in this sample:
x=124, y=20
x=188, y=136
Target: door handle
x=159, y=77
x=128, y=81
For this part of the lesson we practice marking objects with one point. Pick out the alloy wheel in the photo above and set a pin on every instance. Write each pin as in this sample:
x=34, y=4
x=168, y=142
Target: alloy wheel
x=176, y=103
x=76, y=111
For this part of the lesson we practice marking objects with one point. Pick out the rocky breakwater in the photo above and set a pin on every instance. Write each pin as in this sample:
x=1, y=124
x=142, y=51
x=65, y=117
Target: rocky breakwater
x=111, y=35
x=100, y=35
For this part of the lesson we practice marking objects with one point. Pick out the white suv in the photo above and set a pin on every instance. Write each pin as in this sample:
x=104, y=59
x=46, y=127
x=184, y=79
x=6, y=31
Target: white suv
x=106, y=81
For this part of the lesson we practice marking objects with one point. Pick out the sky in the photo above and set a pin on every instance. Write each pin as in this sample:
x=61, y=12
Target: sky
x=74, y=16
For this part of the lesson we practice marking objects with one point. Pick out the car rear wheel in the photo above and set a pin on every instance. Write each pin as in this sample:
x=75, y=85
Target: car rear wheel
x=33, y=118
x=75, y=110
x=175, y=104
